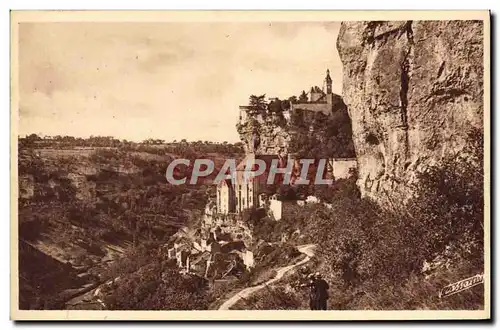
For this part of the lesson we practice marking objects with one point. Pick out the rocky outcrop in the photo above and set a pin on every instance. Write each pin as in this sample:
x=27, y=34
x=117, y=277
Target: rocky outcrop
x=26, y=186
x=413, y=89
x=300, y=133
x=265, y=136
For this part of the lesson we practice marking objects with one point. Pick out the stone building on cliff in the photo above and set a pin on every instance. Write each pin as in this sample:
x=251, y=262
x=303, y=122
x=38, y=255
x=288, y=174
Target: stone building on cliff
x=319, y=100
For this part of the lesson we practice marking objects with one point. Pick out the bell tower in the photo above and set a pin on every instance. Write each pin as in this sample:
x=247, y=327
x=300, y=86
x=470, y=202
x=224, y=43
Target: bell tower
x=328, y=82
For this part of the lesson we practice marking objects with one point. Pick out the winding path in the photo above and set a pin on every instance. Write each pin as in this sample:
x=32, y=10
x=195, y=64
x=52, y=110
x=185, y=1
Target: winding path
x=307, y=249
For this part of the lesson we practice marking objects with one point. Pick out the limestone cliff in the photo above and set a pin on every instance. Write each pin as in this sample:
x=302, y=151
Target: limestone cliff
x=300, y=133
x=413, y=88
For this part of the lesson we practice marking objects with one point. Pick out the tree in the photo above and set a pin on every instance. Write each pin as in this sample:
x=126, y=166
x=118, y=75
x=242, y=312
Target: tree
x=277, y=106
x=258, y=103
x=303, y=97
x=32, y=138
x=286, y=104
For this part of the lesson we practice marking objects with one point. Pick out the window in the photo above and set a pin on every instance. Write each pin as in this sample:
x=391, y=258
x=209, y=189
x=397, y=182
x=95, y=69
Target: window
x=239, y=198
x=248, y=194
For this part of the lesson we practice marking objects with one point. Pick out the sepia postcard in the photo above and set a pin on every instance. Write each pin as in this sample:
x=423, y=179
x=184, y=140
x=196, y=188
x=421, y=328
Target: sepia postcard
x=250, y=165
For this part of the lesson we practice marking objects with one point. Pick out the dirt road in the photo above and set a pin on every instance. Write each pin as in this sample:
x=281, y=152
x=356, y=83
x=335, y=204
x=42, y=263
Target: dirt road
x=307, y=249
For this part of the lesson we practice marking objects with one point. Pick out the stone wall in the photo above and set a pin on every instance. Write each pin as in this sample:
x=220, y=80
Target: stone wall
x=276, y=207
x=314, y=107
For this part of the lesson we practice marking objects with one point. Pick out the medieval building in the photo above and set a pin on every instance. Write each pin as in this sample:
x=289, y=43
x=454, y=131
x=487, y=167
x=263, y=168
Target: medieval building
x=236, y=194
x=241, y=191
x=319, y=100
x=225, y=197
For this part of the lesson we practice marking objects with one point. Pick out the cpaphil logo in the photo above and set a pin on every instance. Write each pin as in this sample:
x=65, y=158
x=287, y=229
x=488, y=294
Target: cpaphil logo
x=278, y=170
x=462, y=285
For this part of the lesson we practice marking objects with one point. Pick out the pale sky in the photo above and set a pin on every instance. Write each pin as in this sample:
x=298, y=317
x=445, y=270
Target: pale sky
x=164, y=80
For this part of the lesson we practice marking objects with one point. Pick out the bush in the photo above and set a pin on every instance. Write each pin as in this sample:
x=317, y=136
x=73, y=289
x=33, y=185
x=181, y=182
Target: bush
x=331, y=136
x=374, y=257
x=269, y=298
x=155, y=287
x=378, y=254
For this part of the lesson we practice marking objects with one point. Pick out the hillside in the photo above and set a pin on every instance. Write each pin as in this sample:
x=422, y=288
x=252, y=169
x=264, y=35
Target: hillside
x=100, y=227
x=412, y=221
x=392, y=257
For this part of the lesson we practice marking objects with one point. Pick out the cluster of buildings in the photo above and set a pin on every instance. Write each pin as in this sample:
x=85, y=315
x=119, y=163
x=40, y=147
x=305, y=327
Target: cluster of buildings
x=236, y=194
x=319, y=100
x=222, y=244
x=217, y=256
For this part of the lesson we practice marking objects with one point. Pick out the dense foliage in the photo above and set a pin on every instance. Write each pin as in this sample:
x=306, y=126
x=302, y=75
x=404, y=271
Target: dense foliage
x=148, y=281
x=400, y=256
x=316, y=135
x=271, y=298
x=396, y=257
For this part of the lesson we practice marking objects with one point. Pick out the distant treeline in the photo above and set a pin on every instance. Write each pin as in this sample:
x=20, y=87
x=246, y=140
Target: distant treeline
x=156, y=146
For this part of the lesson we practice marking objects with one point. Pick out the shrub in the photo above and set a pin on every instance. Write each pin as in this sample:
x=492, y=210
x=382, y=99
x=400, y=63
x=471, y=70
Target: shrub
x=331, y=137
x=373, y=257
x=379, y=253
x=155, y=287
x=269, y=298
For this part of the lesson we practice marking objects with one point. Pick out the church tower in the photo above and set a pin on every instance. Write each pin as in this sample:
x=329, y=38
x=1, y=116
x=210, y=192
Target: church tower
x=328, y=82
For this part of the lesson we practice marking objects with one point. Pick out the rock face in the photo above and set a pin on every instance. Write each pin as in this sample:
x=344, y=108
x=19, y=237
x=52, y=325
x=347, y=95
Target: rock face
x=26, y=186
x=413, y=88
x=264, y=136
